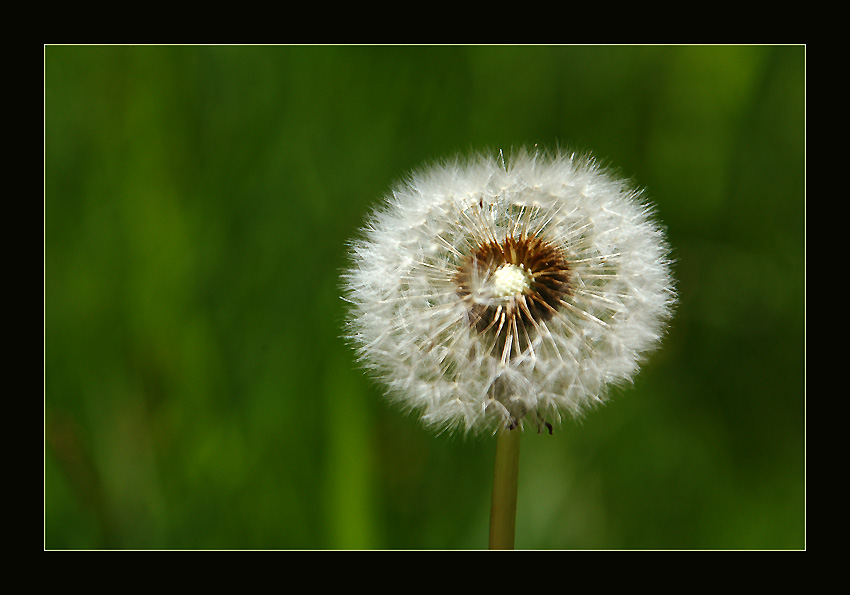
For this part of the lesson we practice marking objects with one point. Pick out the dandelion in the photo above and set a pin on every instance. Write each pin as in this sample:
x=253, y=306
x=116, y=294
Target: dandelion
x=490, y=295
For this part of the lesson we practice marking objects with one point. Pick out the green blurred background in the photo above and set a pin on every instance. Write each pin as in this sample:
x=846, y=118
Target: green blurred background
x=197, y=205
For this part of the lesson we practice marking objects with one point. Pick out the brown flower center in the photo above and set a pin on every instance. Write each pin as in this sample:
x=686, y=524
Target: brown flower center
x=511, y=287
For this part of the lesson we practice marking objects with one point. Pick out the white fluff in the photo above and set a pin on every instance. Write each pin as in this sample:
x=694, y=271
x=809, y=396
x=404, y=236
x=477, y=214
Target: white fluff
x=411, y=326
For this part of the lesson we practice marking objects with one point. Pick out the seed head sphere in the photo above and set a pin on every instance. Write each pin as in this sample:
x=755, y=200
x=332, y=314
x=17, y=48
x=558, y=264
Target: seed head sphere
x=490, y=293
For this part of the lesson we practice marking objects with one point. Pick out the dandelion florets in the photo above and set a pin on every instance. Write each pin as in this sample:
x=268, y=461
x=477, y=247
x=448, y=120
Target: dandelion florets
x=510, y=279
x=488, y=293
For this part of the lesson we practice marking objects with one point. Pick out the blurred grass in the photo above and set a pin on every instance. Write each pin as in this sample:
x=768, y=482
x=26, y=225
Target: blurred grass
x=197, y=204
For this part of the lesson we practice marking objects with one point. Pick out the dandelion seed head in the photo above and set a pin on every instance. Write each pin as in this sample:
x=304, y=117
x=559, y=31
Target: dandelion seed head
x=488, y=293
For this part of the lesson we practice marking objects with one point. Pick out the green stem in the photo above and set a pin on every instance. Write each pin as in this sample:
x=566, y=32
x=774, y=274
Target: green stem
x=503, y=506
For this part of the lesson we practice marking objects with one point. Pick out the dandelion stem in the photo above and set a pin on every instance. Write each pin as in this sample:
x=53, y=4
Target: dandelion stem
x=503, y=506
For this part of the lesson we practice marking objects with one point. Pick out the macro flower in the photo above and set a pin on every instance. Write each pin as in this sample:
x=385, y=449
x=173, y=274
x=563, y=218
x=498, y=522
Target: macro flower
x=490, y=293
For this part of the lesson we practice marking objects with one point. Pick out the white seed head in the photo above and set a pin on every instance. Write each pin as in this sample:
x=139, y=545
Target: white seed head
x=490, y=293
